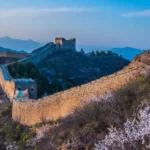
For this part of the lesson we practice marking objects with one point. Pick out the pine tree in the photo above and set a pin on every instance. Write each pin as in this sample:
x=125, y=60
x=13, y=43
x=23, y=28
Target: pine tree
x=82, y=51
x=92, y=53
x=97, y=53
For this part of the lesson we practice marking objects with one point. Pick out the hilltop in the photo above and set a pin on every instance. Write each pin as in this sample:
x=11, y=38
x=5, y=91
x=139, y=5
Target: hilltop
x=78, y=67
x=65, y=68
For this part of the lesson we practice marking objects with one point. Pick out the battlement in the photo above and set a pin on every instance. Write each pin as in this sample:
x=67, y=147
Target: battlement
x=66, y=44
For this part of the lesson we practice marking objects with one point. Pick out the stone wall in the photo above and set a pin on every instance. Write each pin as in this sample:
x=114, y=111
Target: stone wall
x=63, y=103
x=6, y=83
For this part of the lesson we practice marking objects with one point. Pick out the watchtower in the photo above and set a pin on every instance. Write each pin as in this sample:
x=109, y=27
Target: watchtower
x=66, y=44
x=25, y=88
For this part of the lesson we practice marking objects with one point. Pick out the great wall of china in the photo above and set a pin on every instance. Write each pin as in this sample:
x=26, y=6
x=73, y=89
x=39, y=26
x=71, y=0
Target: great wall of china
x=63, y=103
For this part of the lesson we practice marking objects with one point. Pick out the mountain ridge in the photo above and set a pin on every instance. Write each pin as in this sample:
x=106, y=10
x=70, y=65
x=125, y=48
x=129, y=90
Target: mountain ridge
x=30, y=45
x=2, y=49
x=18, y=44
x=127, y=52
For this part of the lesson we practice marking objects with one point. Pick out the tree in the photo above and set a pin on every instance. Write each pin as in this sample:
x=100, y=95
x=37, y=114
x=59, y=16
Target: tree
x=29, y=67
x=17, y=75
x=102, y=53
x=97, y=53
x=82, y=51
x=25, y=75
x=34, y=73
x=92, y=53
x=109, y=53
x=21, y=69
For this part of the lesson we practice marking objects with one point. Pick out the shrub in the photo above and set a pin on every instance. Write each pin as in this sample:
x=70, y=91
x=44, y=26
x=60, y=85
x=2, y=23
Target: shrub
x=25, y=137
x=6, y=109
x=142, y=79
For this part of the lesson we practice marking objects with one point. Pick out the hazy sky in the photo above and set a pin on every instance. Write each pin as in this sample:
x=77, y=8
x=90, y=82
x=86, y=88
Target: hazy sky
x=92, y=22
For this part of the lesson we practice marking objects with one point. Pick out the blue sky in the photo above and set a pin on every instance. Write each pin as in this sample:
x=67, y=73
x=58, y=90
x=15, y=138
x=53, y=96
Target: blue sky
x=111, y=23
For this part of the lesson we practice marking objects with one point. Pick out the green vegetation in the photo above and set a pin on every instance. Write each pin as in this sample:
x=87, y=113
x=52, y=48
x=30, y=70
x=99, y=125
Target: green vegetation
x=103, y=53
x=11, y=131
x=82, y=51
x=65, y=69
x=99, y=53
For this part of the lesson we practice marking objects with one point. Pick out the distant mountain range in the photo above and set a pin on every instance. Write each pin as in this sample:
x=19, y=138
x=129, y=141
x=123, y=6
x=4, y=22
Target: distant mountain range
x=2, y=49
x=127, y=52
x=17, y=44
x=29, y=45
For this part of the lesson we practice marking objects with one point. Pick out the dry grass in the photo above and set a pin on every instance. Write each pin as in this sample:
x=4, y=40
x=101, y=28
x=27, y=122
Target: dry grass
x=90, y=123
x=11, y=131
